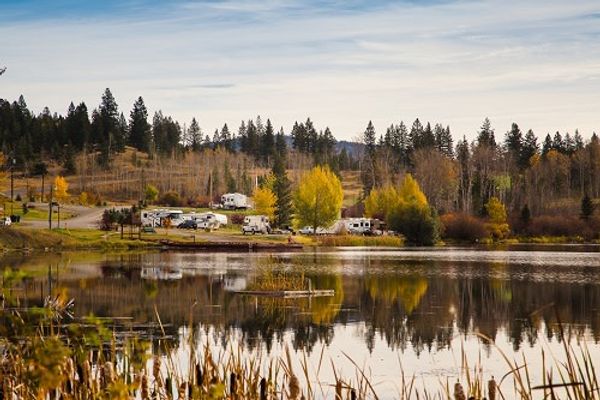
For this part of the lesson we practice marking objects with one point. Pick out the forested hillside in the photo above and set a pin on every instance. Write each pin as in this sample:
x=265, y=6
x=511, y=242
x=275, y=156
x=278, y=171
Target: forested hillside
x=102, y=150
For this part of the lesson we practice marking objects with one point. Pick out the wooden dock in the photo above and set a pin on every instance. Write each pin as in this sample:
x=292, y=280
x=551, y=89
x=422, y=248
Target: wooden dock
x=288, y=294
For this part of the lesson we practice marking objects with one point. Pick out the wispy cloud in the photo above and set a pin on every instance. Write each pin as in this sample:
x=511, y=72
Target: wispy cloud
x=341, y=62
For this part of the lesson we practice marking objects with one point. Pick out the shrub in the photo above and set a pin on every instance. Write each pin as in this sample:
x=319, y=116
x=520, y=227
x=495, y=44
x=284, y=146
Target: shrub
x=556, y=225
x=171, y=199
x=237, y=219
x=463, y=227
x=419, y=225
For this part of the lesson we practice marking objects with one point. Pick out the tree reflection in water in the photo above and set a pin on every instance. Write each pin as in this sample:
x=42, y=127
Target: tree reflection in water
x=423, y=304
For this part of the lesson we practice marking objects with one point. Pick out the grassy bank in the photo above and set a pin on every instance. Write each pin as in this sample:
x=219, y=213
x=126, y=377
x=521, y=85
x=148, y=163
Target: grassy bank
x=19, y=238
x=357, y=241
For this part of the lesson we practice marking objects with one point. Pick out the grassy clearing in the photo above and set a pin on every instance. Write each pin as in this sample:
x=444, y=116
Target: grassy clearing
x=33, y=214
x=354, y=240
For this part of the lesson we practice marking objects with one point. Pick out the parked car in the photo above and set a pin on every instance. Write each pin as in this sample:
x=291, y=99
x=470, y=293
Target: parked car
x=285, y=230
x=188, y=224
x=5, y=221
x=309, y=230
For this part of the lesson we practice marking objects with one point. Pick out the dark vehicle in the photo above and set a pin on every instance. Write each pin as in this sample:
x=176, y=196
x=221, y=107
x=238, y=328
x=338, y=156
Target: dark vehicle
x=189, y=224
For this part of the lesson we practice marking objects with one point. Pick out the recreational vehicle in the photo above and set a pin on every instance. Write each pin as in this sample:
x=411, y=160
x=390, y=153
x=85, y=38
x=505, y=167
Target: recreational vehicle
x=234, y=201
x=256, y=224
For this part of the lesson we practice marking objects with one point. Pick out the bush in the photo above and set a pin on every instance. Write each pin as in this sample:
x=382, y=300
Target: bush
x=170, y=199
x=419, y=225
x=463, y=227
x=556, y=225
x=237, y=219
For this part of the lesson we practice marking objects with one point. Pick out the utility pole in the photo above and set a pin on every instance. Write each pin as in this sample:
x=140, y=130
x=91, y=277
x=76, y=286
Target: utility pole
x=50, y=210
x=12, y=184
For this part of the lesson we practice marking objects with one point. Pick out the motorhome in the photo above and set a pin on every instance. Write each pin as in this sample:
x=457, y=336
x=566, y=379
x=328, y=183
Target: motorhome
x=156, y=218
x=256, y=224
x=234, y=201
x=363, y=226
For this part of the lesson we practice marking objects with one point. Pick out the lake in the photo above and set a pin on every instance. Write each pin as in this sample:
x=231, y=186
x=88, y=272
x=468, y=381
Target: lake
x=415, y=312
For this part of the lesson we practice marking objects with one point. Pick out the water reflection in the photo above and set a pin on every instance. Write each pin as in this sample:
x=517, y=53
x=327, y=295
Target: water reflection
x=419, y=299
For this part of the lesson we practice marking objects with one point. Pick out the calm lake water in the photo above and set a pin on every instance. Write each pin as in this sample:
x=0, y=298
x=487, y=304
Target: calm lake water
x=413, y=310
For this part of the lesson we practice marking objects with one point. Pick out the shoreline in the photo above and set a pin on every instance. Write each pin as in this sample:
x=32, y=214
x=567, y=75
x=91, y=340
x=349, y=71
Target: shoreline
x=36, y=239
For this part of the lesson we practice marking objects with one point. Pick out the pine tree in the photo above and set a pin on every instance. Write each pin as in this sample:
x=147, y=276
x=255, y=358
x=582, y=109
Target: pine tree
x=225, y=138
x=369, y=140
x=427, y=139
x=486, y=137
x=415, y=137
x=194, y=135
x=282, y=188
x=529, y=149
x=513, y=144
x=139, y=128
x=558, y=144
x=280, y=144
x=587, y=207
x=109, y=113
x=548, y=145
x=267, y=147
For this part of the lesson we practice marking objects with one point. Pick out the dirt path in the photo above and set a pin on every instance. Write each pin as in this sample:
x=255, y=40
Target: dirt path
x=83, y=217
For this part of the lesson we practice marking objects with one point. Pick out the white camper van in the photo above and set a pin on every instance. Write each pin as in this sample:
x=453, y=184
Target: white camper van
x=234, y=201
x=256, y=224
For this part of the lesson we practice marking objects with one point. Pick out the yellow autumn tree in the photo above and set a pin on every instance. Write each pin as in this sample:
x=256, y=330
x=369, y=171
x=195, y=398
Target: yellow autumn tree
x=318, y=198
x=264, y=201
x=380, y=201
x=61, y=187
x=412, y=216
x=498, y=221
x=410, y=193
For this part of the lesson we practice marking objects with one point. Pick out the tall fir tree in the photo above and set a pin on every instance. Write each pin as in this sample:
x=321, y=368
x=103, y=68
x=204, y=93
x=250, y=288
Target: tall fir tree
x=139, y=129
x=282, y=188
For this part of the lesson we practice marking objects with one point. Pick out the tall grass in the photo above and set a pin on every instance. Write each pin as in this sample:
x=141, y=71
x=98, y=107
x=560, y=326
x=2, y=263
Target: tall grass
x=357, y=241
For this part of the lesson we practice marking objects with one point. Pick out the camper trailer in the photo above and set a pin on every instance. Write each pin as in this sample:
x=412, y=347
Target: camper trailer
x=234, y=201
x=156, y=218
x=256, y=224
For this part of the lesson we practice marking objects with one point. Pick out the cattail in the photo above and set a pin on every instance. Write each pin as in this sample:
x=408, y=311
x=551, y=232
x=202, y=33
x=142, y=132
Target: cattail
x=492, y=389
x=233, y=385
x=263, y=389
x=294, y=387
x=87, y=374
x=169, y=387
x=198, y=375
x=181, y=392
x=109, y=373
x=145, y=392
x=338, y=390
x=156, y=371
x=459, y=393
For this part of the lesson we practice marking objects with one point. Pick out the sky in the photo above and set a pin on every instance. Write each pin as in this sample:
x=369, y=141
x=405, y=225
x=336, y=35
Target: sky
x=341, y=63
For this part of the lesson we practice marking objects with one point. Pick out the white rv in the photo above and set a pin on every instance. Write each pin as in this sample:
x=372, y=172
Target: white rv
x=156, y=218
x=234, y=201
x=358, y=226
x=256, y=224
